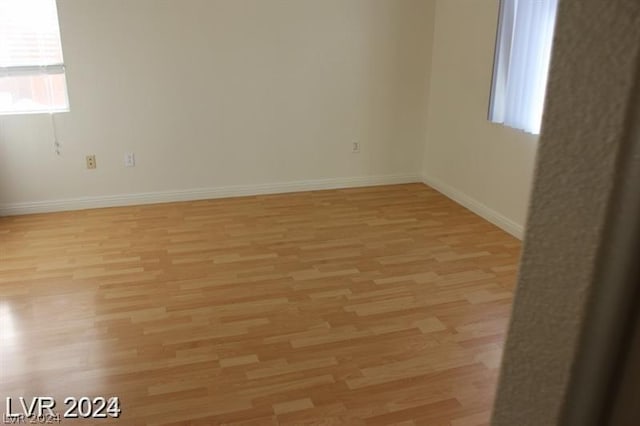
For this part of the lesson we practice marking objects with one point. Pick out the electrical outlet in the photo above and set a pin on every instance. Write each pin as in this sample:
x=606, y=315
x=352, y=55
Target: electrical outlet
x=129, y=159
x=355, y=148
x=91, y=162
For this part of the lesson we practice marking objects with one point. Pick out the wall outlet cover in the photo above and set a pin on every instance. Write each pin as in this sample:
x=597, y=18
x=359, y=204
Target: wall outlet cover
x=91, y=162
x=129, y=159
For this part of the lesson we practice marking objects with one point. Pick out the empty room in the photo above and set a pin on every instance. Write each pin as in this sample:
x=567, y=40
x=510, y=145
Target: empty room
x=268, y=212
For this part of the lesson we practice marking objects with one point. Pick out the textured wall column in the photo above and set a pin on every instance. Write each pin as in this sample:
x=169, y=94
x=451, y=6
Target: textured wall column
x=593, y=75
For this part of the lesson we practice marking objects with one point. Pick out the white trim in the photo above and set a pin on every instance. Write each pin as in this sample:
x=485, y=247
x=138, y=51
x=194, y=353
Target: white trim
x=83, y=203
x=502, y=222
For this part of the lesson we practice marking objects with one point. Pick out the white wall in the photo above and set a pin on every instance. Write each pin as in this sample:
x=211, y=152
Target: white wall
x=222, y=97
x=212, y=93
x=485, y=166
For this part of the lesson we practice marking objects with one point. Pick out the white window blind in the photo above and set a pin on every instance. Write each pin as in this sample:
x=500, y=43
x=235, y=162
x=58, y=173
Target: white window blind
x=32, y=75
x=523, y=51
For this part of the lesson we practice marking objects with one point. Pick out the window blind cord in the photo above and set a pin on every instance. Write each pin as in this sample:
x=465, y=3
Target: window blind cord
x=54, y=131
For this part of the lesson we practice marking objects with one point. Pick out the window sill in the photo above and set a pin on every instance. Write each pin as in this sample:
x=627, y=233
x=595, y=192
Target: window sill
x=15, y=113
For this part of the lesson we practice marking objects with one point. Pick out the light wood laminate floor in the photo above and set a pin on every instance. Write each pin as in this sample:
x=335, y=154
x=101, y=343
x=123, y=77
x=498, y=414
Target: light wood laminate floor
x=375, y=306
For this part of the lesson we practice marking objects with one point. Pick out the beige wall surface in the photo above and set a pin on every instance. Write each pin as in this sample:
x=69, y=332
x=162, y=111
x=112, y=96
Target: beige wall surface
x=212, y=93
x=592, y=85
x=487, y=164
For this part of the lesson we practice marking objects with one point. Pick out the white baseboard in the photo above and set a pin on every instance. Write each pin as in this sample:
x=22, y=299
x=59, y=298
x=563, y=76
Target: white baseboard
x=502, y=222
x=83, y=203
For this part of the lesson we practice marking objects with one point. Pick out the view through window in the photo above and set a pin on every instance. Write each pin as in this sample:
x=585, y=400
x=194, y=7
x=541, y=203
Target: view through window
x=32, y=74
x=523, y=52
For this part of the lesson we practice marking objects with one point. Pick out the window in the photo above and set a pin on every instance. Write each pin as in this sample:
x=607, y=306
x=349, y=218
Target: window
x=523, y=52
x=32, y=75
